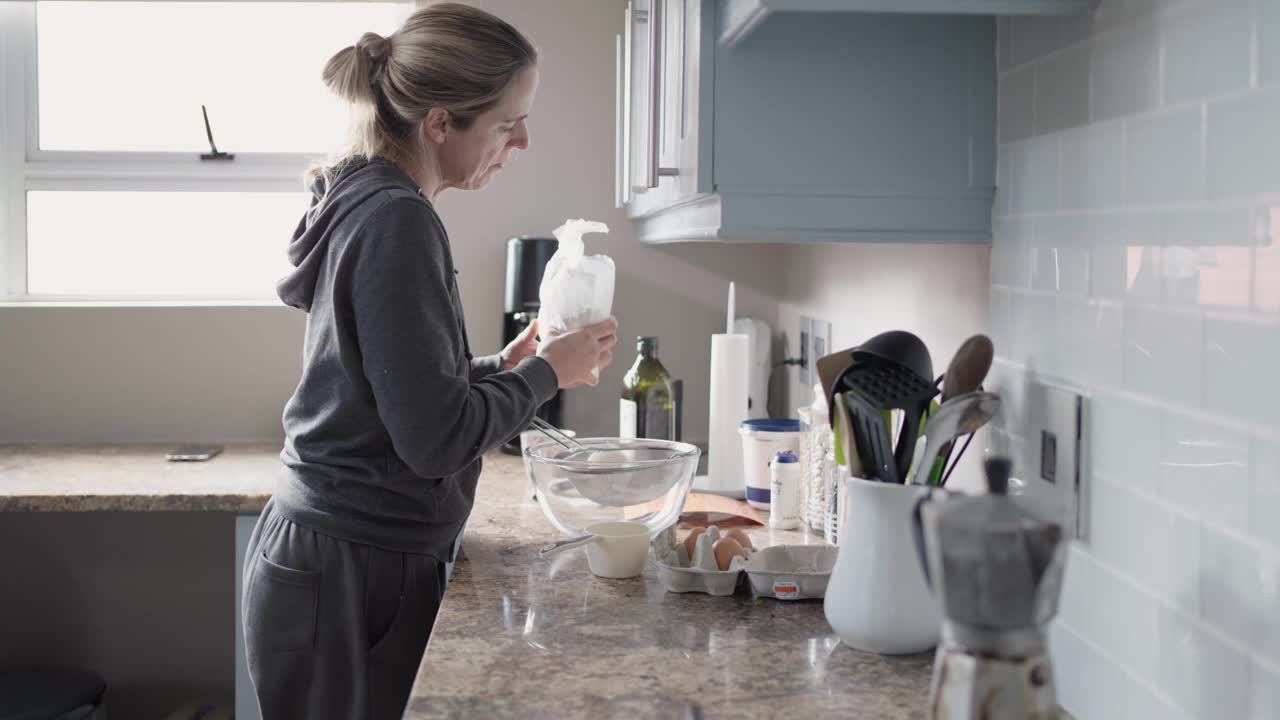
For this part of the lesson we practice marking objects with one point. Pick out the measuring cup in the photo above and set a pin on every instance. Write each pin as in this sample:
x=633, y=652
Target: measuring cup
x=614, y=549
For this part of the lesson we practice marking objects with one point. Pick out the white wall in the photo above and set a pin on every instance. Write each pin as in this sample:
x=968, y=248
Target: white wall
x=1135, y=258
x=134, y=374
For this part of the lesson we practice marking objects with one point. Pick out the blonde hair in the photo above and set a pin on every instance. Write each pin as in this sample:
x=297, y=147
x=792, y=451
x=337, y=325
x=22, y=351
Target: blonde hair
x=449, y=55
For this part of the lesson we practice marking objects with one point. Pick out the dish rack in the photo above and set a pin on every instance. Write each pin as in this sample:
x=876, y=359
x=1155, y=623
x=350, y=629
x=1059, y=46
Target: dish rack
x=818, y=468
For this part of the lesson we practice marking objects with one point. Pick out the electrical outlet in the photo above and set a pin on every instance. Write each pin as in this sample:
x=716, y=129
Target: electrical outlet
x=1050, y=455
x=806, y=352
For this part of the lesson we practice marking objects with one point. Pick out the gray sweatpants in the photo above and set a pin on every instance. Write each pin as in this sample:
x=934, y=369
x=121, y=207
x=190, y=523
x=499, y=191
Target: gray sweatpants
x=333, y=628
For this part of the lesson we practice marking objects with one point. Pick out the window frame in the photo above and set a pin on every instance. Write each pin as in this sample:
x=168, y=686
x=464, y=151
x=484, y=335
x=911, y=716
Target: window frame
x=24, y=167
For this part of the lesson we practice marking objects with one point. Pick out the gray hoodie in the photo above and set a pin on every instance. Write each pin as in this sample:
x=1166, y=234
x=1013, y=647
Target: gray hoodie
x=384, y=433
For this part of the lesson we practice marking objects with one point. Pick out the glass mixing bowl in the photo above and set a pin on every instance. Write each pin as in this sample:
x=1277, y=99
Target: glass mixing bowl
x=642, y=480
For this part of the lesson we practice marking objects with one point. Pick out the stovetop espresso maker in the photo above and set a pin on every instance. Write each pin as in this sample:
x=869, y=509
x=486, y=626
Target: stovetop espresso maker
x=997, y=571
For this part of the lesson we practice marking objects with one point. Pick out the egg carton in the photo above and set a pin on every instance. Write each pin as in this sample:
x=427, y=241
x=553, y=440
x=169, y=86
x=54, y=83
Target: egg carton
x=682, y=574
x=791, y=572
x=784, y=572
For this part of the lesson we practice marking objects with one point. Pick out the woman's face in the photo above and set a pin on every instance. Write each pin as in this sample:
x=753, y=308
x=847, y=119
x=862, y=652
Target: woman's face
x=469, y=158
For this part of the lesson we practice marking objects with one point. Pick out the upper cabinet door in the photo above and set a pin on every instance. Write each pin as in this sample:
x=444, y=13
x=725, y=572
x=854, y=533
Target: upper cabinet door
x=818, y=126
x=658, y=87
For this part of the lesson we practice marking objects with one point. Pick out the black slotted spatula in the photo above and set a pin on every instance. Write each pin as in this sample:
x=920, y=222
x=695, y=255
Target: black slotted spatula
x=891, y=371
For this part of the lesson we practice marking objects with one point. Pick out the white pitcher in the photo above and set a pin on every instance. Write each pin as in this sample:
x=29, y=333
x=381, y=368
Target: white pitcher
x=877, y=600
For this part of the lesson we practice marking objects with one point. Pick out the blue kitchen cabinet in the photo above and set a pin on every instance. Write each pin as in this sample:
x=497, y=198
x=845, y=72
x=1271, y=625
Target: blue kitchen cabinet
x=814, y=126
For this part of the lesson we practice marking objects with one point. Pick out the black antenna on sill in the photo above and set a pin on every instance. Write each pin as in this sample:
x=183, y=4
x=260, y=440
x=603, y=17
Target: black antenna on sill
x=215, y=155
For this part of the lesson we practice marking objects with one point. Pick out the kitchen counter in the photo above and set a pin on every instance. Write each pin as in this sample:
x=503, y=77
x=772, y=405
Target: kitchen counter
x=84, y=478
x=523, y=637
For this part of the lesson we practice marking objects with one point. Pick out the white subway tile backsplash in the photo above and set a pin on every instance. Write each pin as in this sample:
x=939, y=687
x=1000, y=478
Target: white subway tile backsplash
x=1134, y=259
x=1093, y=166
x=1125, y=259
x=1060, y=255
x=1111, y=525
x=1125, y=440
x=1207, y=51
x=1080, y=673
x=1231, y=590
x=1035, y=332
x=1035, y=174
x=1243, y=158
x=1162, y=354
x=1162, y=157
x=1015, y=105
x=1240, y=363
x=1204, y=470
x=1264, y=496
x=1269, y=45
x=1125, y=71
x=1140, y=702
x=1033, y=36
x=1207, y=260
x=1092, y=341
x=1011, y=251
x=1208, y=678
x=1062, y=91
x=1266, y=641
x=1264, y=700
x=1078, y=605
x=1071, y=660
x=1166, y=554
x=1266, y=257
x=1127, y=624
x=999, y=322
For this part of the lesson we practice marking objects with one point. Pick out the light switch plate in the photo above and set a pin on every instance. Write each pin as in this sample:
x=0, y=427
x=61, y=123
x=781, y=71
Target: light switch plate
x=1048, y=446
x=821, y=345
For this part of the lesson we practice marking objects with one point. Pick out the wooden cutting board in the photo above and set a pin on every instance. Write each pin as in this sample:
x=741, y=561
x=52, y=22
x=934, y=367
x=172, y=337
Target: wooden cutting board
x=702, y=509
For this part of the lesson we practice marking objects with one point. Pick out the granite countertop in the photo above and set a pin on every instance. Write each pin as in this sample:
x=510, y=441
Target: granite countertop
x=524, y=637
x=81, y=478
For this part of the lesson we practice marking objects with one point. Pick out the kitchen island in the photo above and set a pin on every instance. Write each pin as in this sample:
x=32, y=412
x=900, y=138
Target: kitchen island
x=523, y=637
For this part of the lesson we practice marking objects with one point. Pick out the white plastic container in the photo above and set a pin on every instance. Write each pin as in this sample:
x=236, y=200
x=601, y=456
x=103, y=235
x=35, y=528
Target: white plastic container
x=784, y=491
x=761, y=440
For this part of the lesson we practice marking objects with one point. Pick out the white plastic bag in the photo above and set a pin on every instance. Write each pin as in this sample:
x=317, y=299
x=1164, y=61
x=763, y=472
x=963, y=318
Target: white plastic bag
x=577, y=289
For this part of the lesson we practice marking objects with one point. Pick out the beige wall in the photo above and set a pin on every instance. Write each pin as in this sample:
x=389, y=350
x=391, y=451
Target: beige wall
x=171, y=374
x=938, y=292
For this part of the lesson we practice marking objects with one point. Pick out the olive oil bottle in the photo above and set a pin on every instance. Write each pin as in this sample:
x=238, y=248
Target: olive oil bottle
x=648, y=405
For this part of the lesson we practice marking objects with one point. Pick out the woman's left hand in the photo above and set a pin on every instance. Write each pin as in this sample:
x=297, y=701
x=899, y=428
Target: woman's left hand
x=525, y=344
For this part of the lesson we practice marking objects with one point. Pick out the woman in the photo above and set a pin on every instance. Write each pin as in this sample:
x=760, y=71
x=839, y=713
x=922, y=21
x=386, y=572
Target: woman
x=385, y=431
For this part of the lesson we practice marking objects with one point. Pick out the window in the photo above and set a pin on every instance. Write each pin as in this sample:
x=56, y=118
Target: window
x=103, y=194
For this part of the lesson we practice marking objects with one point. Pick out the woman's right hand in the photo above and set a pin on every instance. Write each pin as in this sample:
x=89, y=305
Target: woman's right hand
x=574, y=355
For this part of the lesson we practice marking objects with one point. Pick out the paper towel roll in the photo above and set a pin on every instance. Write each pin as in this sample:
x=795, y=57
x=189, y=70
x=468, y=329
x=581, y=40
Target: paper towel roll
x=730, y=370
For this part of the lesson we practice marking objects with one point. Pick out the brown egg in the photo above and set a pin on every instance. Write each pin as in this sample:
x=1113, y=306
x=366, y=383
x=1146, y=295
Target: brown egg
x=741, y=537
x=726, y=548
x=691, y=541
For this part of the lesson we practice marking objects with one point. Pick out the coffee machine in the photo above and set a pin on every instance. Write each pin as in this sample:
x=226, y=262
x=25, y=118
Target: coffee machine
x=527, y=259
